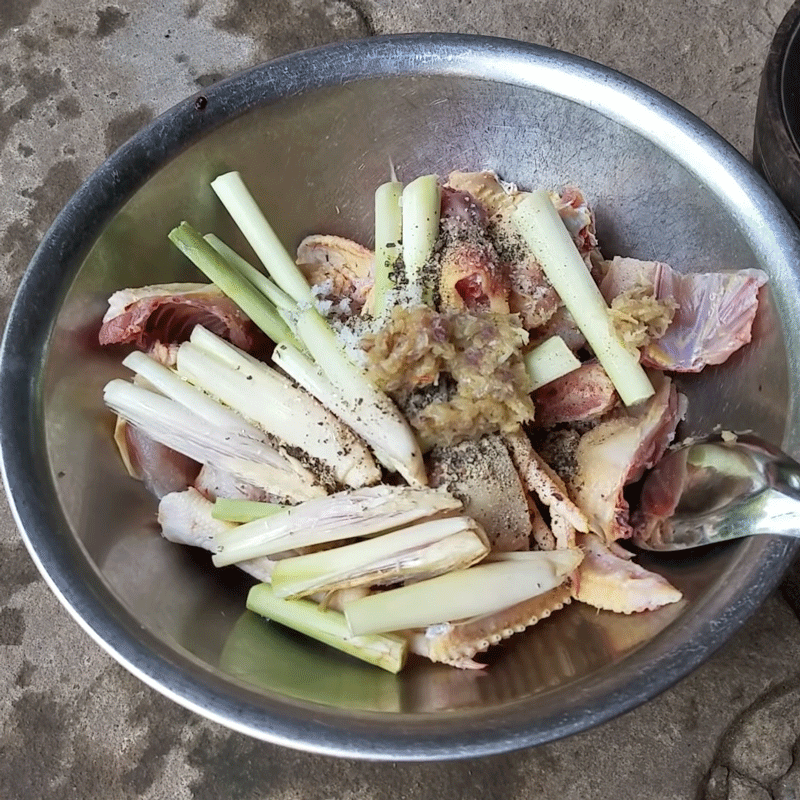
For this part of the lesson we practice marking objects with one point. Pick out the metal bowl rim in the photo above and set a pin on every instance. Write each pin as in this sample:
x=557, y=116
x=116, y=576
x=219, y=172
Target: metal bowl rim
x=94, y=204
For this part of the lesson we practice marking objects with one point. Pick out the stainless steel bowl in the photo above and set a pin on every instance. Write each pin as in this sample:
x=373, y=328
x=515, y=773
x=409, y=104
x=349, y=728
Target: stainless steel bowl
x=313, y=134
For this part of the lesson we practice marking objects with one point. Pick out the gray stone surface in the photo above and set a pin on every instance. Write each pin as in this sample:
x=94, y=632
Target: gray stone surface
x=76, y=79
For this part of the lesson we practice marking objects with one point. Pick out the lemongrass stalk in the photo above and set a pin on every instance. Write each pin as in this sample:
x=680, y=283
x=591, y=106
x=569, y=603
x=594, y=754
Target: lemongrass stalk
x=388, y=241
x=329, y=627
x=544, y=232
x=223, y=350
x=421, y=213
x=187, y=518
x=242, y=450
x=481, y=590
x=271, y=401
x=550, y=360
x=381, y=424
x=422, y=550
x=270, y=290
x=229, y=510
x=321, y=432
x=308, y=375
x=344, y=515
x=260, y=310
x=170, y=384
x=235, y=196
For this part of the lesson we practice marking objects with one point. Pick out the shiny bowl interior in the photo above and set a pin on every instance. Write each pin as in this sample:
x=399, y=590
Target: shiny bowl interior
x=313, y=134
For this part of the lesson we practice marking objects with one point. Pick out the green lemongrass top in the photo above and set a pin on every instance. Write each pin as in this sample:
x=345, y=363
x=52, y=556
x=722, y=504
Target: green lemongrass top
x=354, y=513
x=388, y=241
x=550, y=360
x=232, y=283
x=483, y=589
x=230, y=510
x=421, y=550
x=421, y=214
x=235, y=196
x=329, y=627
x=270, y=290
x=544, y=232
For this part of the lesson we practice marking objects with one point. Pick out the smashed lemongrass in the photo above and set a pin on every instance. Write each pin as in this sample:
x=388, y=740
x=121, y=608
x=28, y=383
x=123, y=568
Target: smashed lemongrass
x=170, y=384
x=481, y=590
x=329, y=627
x=235, y=196
x=373, y=415
x=275, y=404
x=241, y=511
x=550, y=360
x=423, y=550
x=359, y=512
x=270, y=290
x=232, y=283
x=550, y=242
x=308, y=375
x=421, y=213
x=388, y=239
x=242, y=450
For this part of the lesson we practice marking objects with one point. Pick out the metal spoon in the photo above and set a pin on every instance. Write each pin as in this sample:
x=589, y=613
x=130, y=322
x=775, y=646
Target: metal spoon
x=716, y=489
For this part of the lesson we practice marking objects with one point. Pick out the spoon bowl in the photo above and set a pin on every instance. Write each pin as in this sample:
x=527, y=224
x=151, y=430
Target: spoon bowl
x=721, y=487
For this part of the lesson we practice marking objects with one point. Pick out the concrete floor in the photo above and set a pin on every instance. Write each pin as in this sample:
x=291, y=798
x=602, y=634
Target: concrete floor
x=76, y=79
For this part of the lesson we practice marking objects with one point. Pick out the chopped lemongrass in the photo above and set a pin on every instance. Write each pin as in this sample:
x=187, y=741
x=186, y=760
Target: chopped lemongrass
x=243, y=510
x=235, y=196
x=308, y=375
x=550, y=360
x=232, y=283
x=270, y=290
x=484, y=589
x=388, y=241
x=378, y=420
x=170, y=384
x=544, y=232
x=275, y=404
x=329, y=627
x=421, y=212
x=345, y=515
x=423, y=550
x=241, y=450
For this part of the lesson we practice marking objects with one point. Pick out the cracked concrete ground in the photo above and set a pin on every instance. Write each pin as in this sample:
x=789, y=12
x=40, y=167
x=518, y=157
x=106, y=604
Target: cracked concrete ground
x=76, y=79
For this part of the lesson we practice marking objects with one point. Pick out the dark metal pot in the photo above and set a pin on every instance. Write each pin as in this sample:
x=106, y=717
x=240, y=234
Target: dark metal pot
x=776, y=144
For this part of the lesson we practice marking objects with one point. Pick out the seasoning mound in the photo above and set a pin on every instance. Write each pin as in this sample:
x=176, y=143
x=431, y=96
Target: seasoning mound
x=475, y=354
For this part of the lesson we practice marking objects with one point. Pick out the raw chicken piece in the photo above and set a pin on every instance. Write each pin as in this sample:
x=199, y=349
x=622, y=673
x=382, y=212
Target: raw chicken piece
x=714, y=315
x=160, y=469
x=577, y=217
x=531, y=295
x=213, y=482
x=560, y=324
x=340, y=270
x=185, y=518
x=482, y=475
x=609, y=579
x=582, y=395
x=167, y=313
x=456, y=644
x=617, y=452
x=471, y=275
x=540, y=479
x=462, y=205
